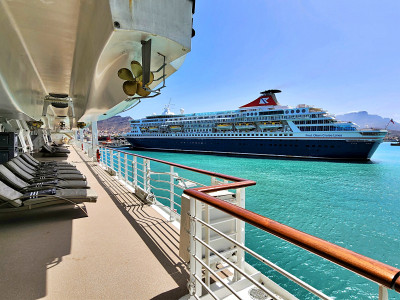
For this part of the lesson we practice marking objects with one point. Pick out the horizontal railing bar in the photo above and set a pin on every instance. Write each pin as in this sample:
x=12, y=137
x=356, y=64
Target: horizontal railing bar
x=205, y=172
x=217, y=276
x=362, y=265
x=293, y=278
x=178, y=178
x=158, y=180
x=159, y=189
x=192, y=181
x=162, y=197
x=255, y=282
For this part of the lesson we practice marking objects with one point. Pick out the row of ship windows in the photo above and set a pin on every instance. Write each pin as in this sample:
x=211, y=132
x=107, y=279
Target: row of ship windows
x=228, y=118
x=313, y=121
x=326, y=128
x=262, y=145
x=220, y=134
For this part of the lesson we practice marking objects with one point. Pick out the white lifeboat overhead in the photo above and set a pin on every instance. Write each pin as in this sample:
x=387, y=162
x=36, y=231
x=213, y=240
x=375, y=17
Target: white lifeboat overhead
x=75, y=48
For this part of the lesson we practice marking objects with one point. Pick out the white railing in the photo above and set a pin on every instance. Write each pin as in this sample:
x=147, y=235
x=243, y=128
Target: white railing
x=212, y=234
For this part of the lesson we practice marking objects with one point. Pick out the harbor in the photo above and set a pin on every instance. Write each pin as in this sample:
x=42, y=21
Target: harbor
x=343, y=198
x=60, y=252
x=239, y=195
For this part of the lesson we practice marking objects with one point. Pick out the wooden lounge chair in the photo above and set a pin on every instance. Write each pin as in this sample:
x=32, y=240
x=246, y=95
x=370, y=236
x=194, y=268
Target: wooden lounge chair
x=35, y=162
x=12, y=200
x=21, y=185
x=50, y=169
x=32, y=178
x=53, y=151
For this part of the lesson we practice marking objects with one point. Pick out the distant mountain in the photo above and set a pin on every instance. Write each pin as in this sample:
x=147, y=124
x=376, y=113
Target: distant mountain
x=365, y=120
x=114, y=125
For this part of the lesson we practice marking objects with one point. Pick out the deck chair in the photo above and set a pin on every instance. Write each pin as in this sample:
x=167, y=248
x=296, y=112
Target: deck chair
x=30, y=159
x=21, y=185
x=11, y=200
x=42, y=170
x=32, y=178
x=54, y=150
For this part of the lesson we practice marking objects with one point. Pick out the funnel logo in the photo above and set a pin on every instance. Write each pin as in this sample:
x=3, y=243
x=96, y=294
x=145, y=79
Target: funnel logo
x=264, y=100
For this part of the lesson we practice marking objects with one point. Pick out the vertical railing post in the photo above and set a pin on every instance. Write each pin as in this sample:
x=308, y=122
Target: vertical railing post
x=207, y=241
x=383, y=293
x=199, y=247
x=240, y=233
x=144, y=174
x=195, y=248
x=134, y=170
x=171, y=194
x=148, y=183
x=119, y=166
x=126, y=167
x=112, y=159
x=108, y=157
x=213, y=179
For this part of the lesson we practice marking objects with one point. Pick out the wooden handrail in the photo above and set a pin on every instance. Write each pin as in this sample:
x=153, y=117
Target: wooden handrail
x=367, y=267
x=362, y=265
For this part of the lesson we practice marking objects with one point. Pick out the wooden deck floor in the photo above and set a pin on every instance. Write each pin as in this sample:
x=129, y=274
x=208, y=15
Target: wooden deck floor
x=123, y=249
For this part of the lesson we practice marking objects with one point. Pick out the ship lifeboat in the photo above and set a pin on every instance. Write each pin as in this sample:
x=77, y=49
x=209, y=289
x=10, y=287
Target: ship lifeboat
x=144, y=129
x=175, y=128
x=226, y=126
x=265, y=125
x=245, y=126
x=153, y=129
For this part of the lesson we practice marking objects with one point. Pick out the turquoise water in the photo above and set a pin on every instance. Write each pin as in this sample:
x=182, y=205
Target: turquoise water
x=354, y=205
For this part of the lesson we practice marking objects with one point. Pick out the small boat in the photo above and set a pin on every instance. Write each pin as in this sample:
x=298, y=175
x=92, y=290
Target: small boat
x=245, y=126
x=225, y=126
x=115, y=143
x=395, y=143
x=175, y=128
x=153, y=129
x=264, y=125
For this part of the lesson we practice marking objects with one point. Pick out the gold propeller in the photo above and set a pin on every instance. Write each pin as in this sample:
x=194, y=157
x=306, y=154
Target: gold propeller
x=133, y=83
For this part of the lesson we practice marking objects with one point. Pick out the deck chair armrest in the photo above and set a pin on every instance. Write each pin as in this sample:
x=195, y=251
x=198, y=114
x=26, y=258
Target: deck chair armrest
x=34, y=188
x=45, y=173
x=39, y=184
x=36, y=194
x=41, y=179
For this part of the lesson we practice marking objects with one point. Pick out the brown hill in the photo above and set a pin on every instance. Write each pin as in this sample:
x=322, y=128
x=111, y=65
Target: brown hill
x=114, y=126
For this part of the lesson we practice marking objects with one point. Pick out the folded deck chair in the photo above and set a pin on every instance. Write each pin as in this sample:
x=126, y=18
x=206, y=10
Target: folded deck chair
x=54, y=150
x=31, y=178
x=11, y=199
x=42, y=170
x=21, y=185
x=30, y=159
x=54, y=144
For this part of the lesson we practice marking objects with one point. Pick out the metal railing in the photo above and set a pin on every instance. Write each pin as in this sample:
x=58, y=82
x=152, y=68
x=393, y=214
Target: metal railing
x=216, y=245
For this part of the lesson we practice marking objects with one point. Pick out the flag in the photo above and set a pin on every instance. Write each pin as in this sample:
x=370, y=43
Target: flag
x=391, y=120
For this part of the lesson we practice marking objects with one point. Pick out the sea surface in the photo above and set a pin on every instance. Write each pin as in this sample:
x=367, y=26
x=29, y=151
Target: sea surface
x=354, y=205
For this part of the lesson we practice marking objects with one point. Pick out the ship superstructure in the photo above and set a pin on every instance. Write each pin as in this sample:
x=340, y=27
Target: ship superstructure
x=262, y=127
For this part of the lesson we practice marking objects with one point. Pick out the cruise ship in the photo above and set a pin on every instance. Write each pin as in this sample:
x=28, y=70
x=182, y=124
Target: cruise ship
x=262, y=127
x=64, y=65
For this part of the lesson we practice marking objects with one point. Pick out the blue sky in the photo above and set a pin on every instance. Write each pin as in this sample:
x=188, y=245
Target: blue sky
x=340, y=55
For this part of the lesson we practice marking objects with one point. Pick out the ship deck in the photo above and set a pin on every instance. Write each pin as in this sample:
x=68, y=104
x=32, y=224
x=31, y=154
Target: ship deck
x=123, y=249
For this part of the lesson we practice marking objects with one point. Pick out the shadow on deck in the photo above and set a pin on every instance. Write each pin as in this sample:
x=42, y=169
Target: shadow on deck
x=156, y=232
x=59, y=253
